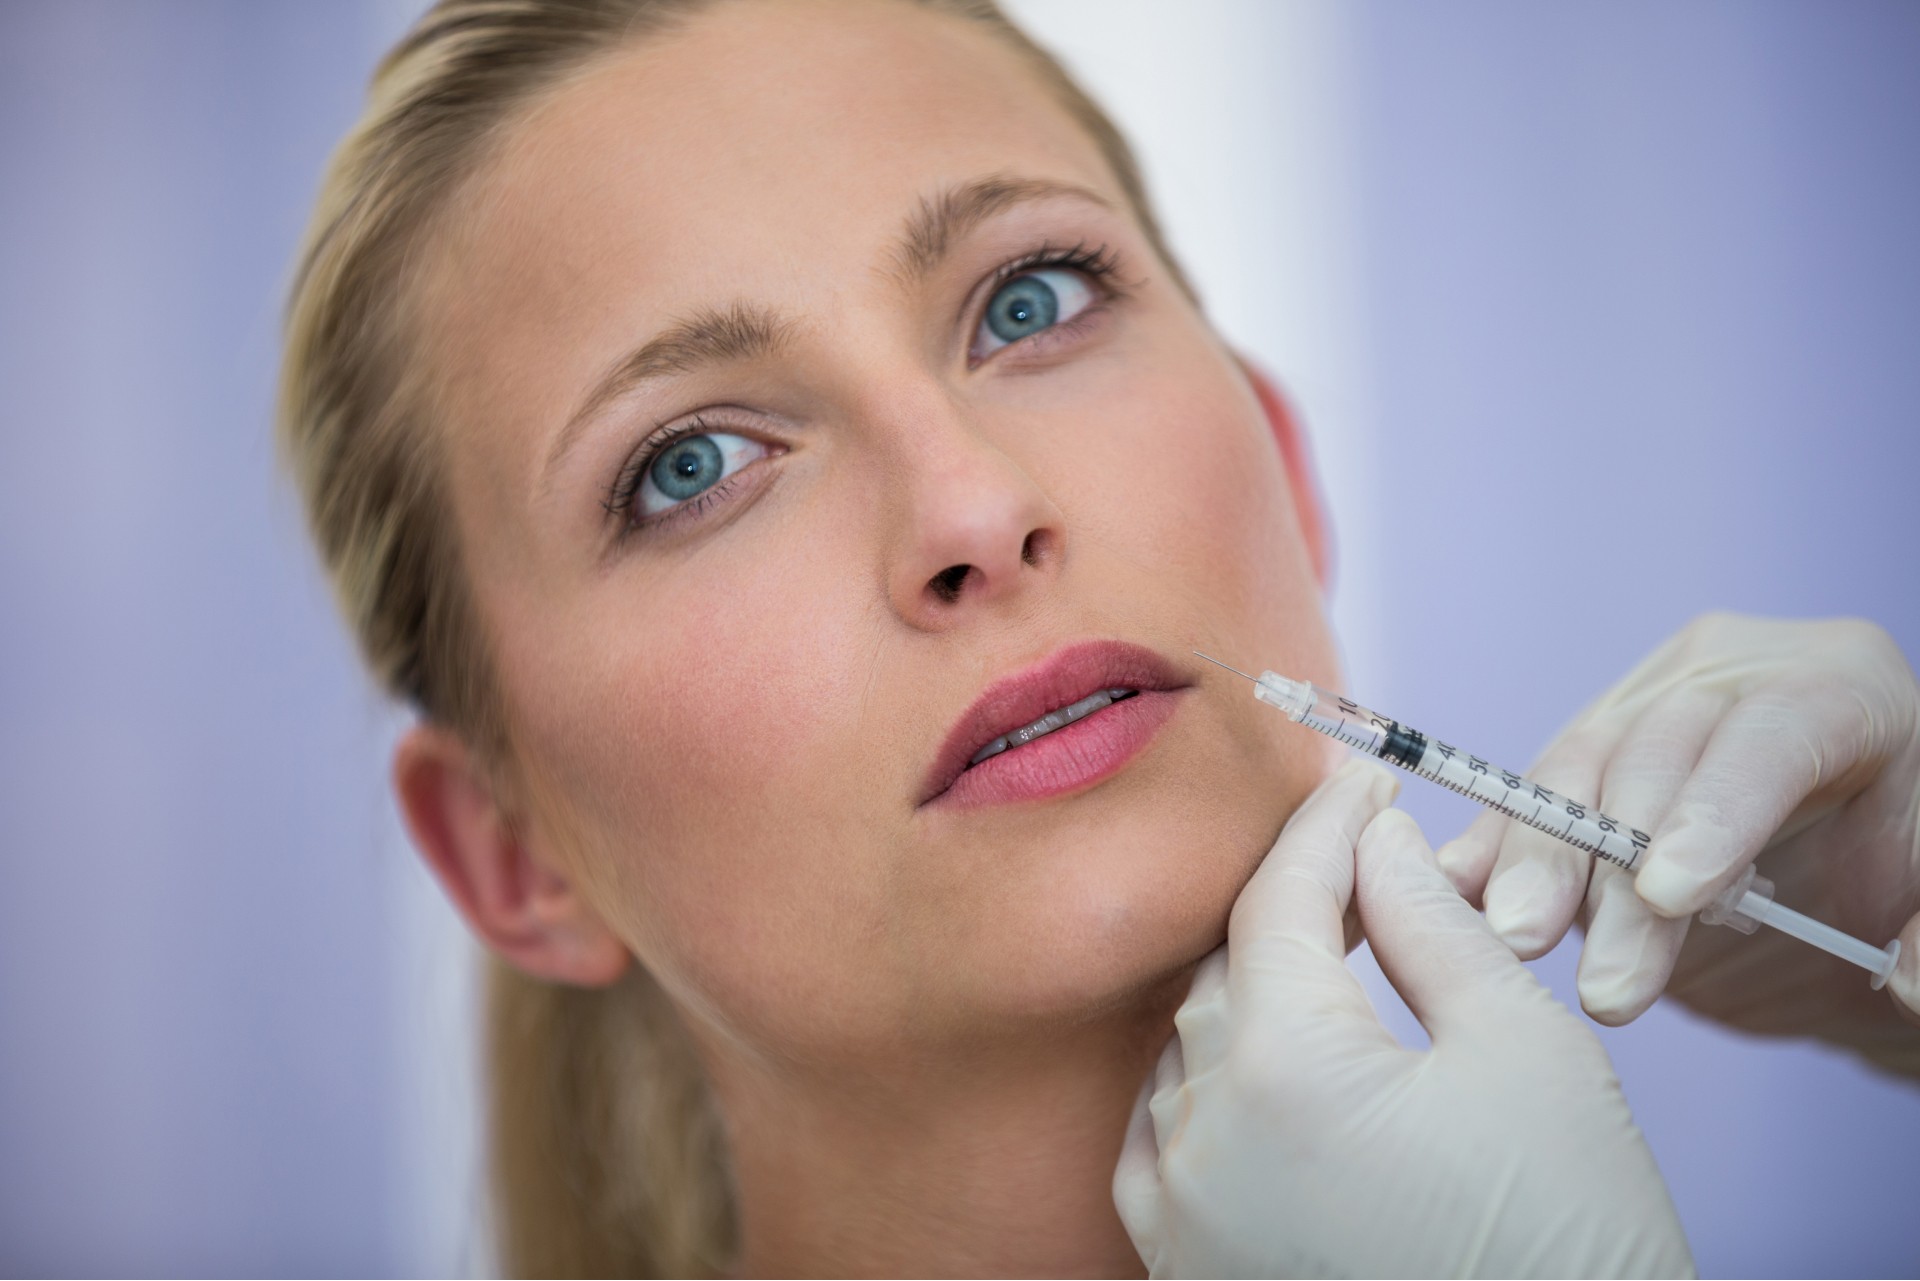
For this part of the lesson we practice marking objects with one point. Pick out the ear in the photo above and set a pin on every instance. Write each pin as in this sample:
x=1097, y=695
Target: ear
x=521, y=907
x=1300, y=474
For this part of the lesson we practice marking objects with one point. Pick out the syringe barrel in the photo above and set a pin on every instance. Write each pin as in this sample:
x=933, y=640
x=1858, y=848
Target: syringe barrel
x=1745, y=905
x=1519, y=798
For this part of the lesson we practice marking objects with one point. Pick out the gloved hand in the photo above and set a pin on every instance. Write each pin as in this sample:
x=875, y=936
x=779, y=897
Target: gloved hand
x=1285, y=1132
x=1793, y=743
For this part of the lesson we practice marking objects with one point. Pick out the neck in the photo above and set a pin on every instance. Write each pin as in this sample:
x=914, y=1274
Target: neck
x=1000, y=1164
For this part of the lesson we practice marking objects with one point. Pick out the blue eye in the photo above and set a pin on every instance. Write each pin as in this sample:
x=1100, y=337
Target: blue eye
x=1030, y=303
x=689, y=467
x=686, y=467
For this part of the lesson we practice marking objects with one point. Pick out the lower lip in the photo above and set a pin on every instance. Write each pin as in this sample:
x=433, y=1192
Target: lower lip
x=1073, y=757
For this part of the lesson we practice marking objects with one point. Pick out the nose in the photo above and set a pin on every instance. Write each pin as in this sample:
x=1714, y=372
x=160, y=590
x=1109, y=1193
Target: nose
x=978, y=531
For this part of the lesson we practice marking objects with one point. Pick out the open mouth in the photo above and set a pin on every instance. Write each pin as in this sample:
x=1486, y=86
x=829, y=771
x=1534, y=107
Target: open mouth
x=1052, y=721
x=1059, y=725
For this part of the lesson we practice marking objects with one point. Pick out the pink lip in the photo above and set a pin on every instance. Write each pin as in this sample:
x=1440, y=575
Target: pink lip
x=1074, y=756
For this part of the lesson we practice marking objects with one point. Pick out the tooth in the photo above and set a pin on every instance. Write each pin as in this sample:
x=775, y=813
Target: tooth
x=1050, y=722
x=1045, y=725
x=994, y=748
x=1091, y=703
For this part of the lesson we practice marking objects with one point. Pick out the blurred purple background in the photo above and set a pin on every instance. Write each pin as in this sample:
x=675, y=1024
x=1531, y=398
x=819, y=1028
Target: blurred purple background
x=1645, y=305
x=1633, y=317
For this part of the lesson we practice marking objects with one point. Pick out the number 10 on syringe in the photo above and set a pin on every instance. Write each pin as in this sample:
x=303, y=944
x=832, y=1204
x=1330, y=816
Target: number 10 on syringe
x=1746, y=905
x=1522, y=799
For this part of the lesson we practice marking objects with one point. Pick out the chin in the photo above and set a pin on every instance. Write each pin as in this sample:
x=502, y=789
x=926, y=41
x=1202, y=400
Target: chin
x=1111, y=920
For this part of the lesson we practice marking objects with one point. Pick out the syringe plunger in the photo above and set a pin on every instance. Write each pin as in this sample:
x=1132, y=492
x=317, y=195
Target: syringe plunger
x=1748, y=905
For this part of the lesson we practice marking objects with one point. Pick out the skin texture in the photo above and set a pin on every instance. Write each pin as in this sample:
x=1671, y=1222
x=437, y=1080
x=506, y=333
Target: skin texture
x=925, y=1026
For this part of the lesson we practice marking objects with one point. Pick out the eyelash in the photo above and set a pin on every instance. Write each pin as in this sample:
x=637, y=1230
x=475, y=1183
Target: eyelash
x=626, y=486
x=1099, y=264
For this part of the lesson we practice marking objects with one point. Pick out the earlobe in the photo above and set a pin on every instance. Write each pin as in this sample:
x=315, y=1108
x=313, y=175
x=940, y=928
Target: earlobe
x=1301, y=479
x=528, y=912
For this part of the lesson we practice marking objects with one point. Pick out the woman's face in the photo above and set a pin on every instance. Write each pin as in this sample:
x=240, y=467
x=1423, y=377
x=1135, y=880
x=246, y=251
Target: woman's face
x=935, y=418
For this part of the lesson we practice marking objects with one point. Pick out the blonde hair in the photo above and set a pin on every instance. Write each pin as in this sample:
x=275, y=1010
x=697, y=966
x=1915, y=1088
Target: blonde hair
x=606, y=1150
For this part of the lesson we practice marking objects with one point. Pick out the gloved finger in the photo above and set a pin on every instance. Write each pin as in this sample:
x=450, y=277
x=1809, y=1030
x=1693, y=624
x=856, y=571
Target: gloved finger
x=1350, y=927
x=1538, y=882
x=1630, y=951
x=1534, y=909
x=1433, y=947
x=1672, y=663
x=1296, y=898
x=1202, y=1025
x=1468, y=858
x=1659, y=752
x=1904, y=982
x=1136, y=1179
x=1159, y=1114
x=1765, y=757
x=1298, y=1011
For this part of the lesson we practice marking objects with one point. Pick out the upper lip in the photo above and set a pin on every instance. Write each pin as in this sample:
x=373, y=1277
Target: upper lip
x=1066, y=676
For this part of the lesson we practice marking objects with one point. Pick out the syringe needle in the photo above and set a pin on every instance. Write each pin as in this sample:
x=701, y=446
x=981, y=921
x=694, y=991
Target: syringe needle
x=1236, y=671
x=1748, y=905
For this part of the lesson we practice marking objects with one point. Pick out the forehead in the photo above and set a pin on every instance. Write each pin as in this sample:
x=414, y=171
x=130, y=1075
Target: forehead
x=764, y=149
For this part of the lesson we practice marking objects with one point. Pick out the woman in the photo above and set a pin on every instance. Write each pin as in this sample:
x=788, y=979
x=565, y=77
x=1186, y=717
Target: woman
x=738, y=428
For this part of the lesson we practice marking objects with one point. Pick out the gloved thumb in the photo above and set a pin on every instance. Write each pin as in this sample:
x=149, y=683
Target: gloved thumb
x=1904, y=982
x=1299, y=894
x=1438, y=953
x=1136, y=1178
x=1295, y=1004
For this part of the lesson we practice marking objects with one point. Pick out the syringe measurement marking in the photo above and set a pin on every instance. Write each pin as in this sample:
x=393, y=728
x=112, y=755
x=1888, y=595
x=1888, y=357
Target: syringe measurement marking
x=1348, y=737
x=1497, y=788
x=1503, y=803
x=1566, y=834
x=1434, y=761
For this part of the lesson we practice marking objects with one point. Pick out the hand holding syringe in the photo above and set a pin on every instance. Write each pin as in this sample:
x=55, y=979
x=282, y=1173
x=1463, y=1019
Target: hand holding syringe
x=1746, y=906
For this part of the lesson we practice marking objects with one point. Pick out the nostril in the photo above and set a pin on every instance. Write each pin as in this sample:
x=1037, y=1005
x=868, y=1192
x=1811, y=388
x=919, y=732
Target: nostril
x=1034, y=547
x=946, y=584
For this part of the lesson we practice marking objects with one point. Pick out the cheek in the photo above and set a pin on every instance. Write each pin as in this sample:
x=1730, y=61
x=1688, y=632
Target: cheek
x=1181, y=533
x=685, y=761
x=1191, y=490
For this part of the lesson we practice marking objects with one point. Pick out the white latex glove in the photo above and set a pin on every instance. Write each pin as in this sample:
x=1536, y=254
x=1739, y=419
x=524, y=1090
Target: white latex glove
x=1795, y=743
x=1285, y=1132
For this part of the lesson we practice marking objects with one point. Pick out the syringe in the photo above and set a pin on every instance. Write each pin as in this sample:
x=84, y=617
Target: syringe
x=1746, y=906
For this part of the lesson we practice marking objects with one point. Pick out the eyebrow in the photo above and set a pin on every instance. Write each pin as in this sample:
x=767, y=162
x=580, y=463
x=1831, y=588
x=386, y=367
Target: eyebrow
x=750, y=331
x=743, y=331
x=943, y=220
